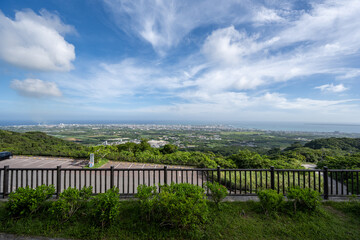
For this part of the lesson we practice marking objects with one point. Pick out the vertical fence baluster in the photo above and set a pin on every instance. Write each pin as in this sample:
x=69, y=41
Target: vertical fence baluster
x=314, y=176
x=326, y=183
x=342, y=183
x=245, y=182
x=278, y=181
x=6, y=181
x=225, y=179
x=255, y=180
x=352, y=182
x=288, y=177
x=357, y=183
x=11, y=174
x=133, y=181
x=58, y=181
x=304, y=180
x=250, y=173
x=17, y=179
x=103, y=173
x=283, y=182
x=80, y=175
x=319, y=180
x=70, y=182
x=22, y=178
x=347, y=183
x=266, y=179
x=96, y=189
x=143, y=177
x=235, y=181
x=272, y=178
x=240, y=180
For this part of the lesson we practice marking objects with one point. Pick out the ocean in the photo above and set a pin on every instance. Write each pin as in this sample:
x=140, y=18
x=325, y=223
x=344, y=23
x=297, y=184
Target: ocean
x=272, y=126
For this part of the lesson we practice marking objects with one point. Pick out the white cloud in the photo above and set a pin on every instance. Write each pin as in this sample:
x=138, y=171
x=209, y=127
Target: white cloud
x=35, y=88
x=164, y=23
x=236, y=71
x=265, y=15
x=36, y=41
x=228, y=46
x=128, y=78
x=332, y=88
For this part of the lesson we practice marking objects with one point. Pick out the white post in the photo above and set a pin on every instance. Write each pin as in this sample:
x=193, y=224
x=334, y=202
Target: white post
x=91, y=163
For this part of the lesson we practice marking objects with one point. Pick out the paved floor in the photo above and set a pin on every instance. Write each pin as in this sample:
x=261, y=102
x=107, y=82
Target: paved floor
x=42, y=162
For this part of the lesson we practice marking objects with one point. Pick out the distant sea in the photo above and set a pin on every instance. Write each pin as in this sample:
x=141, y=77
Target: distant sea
x=273, y=126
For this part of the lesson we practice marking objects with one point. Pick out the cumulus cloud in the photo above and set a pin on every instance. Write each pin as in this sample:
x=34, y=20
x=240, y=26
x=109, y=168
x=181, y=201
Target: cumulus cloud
x=36, y=41
x=35, y=88
x=227, y=45
x=332, y=88
x=164, y=23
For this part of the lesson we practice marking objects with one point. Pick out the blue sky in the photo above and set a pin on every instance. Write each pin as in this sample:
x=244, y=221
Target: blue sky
x=231, y=60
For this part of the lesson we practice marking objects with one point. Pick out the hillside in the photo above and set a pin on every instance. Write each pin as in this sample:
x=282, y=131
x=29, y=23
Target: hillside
x=345, y=144
x=41, y=144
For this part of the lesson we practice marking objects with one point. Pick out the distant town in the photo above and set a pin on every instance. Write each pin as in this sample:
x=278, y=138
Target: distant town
x=192, y=137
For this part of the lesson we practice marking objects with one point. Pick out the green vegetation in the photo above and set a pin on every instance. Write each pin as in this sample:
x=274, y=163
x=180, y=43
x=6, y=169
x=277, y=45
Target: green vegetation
x=69, y=202
x=105, y=207
x=331, y=152
x=218, y=192
x=235, y=220
x=270, y=200
x=98, y=163
x=27, y=201
x=40, y=144
x=304, y=199
x=176, y=205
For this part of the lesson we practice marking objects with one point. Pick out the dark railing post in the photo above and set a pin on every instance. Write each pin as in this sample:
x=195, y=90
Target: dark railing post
x=58, y=181
x=326, y=183
x=165, y=175
x=111, y=176
x=218, y=174
x=6, y=181
x=272, y=177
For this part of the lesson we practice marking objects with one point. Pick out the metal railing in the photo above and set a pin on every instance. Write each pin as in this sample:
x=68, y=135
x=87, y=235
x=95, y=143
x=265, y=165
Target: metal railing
x=239, y=182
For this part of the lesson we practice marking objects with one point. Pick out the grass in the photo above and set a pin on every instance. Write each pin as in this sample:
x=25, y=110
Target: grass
x=252, y=181
x=234, y=220
x=99, y=163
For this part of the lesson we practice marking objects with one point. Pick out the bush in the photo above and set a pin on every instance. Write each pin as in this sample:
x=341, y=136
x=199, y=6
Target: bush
x=146, y=195
x=69, y=202
x=26, y=201
x=270, y=200
x=105, y=207
x=177, y=205
x=218, y=191
x=304, y=199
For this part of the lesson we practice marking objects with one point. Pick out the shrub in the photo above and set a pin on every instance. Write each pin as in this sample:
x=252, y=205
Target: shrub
x=177, y=205
x=26, y=201
x=218, y=191
x=105, y=207
x=69, y=202
x=304, y=198
x=146, y=195
x=270, y=200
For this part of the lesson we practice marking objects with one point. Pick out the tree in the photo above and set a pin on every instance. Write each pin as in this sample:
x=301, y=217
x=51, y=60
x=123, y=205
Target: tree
x=169, y=148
